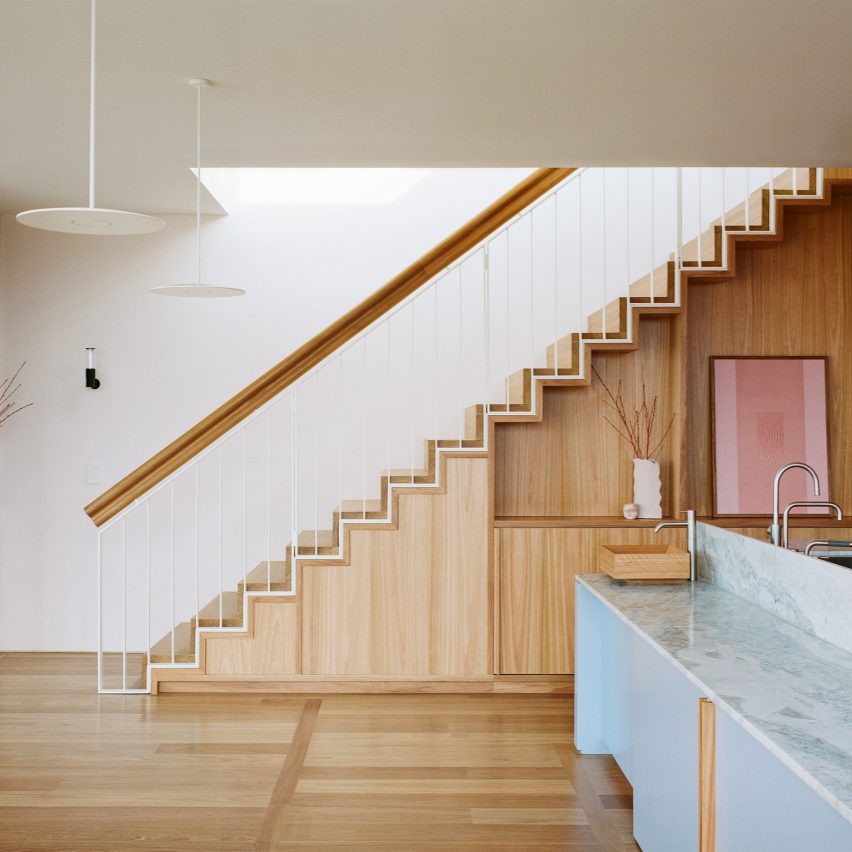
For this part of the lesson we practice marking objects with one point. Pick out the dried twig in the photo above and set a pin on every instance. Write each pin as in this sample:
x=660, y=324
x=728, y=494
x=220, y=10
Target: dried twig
x=8, y=389
x=638, y=426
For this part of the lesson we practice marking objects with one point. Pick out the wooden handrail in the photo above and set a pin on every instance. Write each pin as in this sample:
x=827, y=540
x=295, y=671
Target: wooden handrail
x=307, y=356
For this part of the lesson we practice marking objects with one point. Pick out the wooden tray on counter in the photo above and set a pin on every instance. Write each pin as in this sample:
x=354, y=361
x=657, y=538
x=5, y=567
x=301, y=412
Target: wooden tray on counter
x=645, y=563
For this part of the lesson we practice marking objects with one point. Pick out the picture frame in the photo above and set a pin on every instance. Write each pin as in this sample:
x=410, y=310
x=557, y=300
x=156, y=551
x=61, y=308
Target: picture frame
x=767, y=411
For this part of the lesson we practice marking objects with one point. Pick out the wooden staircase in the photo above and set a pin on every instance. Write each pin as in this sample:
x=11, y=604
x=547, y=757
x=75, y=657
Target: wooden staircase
x=568, y=362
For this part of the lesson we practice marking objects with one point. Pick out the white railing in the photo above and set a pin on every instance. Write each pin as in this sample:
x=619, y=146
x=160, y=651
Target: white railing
x=228, y=524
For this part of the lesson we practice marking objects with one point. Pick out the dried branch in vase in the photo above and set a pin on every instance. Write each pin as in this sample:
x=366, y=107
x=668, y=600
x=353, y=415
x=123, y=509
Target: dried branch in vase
x=8, y=389
x=637, y=426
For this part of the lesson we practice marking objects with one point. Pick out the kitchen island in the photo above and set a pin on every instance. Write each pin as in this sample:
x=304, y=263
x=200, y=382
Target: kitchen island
x=648, y=654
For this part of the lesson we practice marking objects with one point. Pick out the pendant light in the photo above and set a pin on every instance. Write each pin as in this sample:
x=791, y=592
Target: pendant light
x=91, y=219
x=198, y=290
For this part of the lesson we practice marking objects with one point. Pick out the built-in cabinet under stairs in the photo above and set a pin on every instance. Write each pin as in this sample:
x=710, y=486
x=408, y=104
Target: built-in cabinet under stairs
x=399, y=590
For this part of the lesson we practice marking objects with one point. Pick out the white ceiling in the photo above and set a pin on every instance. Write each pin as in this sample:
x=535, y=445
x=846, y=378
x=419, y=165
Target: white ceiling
x=413, y=83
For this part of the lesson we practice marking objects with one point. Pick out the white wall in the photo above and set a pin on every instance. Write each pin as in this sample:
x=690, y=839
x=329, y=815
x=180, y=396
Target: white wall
x=164, y=363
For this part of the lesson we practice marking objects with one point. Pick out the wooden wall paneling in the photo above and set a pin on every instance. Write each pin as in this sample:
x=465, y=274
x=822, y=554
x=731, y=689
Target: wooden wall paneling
x=537, y=569
x=271, y=649
x=493, y=556
x=412, y=601
x=336, y=618
x=791, y=298
x=460, y=629
x=572, y=463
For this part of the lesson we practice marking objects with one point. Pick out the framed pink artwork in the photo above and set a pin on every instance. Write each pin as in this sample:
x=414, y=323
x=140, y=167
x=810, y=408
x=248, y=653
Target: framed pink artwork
x=767, y=412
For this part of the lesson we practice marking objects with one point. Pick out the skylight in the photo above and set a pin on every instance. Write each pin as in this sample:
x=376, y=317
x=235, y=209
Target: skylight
x=310, y=186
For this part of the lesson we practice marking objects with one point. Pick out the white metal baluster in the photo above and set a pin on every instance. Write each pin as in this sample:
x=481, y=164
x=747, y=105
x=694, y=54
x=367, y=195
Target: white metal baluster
x=197, y=548
x=340, y=453
x=652, y=229
x=508, y=327
x=603, y=310
x=221, y=533
x=772, y=199
x=245, y=516
x=747, y=199
x=724, y=226
x=364, y=428
x=268, y=500
x=531, y=214
x=582, y=317
x=700, y=228
x=411, y=389
x=100, y=614
x=147, y=685
x=486, y=335
x=679, y=245
x=556, y=283
x=294, y=485
x=627, y=173
x=437, y=370
x=172, y=560
x=461, y=383
x=124, y=603
x=316, y=464
x=388, y=412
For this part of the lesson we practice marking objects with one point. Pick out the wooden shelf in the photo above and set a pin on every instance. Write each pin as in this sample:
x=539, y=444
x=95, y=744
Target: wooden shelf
x=575, y=521
x=617, y=522
x=762, y=521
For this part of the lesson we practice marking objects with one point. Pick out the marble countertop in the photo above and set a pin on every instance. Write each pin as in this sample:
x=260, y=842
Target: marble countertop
x=790, y=690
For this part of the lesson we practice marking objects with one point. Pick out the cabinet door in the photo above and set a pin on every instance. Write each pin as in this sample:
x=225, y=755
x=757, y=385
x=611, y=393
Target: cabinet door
x=763, y=804
x=536, y=570
x=664, y=752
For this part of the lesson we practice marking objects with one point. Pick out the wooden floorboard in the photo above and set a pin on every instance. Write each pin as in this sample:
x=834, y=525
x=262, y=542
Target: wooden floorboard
x=244, y=772
x=288, y=778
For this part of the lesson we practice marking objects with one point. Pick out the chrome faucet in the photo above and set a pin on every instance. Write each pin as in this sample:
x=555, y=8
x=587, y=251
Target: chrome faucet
x=827, y=504
x=689, y=523
x=828, y=542
x=775, y=529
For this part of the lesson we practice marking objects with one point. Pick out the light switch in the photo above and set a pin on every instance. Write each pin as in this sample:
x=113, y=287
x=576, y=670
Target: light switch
x=94, y=473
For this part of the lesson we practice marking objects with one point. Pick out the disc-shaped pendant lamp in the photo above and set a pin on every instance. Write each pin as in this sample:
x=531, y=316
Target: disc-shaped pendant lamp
x=198, y=290
x=91, y=219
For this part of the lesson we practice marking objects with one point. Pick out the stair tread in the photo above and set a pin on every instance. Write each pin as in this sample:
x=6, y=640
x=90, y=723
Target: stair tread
x=161, y=652
x=371, y=505
x=276, y=573
x=322, y=538
x=231, y=611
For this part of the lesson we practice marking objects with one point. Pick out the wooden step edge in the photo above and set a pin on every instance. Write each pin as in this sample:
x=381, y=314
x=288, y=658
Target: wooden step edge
x=178, y=681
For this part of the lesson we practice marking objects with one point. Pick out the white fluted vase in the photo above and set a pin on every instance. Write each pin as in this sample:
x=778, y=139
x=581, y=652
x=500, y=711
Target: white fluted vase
x=646, y=488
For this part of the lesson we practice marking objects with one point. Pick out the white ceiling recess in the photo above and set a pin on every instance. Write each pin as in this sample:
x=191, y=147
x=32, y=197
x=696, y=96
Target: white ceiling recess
x=423, y=83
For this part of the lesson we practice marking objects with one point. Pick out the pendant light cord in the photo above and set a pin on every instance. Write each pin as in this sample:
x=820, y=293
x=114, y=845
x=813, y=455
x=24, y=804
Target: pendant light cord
x=198, y=182
x=92, y=113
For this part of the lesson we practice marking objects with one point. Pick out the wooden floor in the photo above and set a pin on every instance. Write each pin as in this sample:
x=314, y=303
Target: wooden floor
x=231, y=772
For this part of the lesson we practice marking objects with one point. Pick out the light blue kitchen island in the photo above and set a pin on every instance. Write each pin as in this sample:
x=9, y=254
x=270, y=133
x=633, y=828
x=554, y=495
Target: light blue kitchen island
x=646, y=654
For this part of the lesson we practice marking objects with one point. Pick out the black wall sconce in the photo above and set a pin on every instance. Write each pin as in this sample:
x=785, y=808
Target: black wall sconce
x=91, y=381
